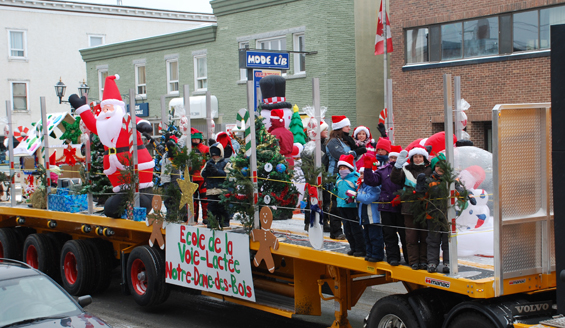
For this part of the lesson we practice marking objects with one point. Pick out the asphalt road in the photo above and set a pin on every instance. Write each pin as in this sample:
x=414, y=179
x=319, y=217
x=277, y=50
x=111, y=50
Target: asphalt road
x=184, y=309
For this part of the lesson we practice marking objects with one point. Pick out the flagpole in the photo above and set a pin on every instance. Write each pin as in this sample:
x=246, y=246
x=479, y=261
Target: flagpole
x=383, y=19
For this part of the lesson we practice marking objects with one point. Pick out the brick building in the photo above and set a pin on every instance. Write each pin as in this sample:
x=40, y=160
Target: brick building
x=500, y=49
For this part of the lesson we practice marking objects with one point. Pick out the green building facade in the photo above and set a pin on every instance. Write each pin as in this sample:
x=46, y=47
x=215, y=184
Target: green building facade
x=339, y=34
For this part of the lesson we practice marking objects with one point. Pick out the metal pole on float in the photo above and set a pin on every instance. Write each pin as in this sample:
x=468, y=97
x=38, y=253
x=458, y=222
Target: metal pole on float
x=253, y=156
x=390, y=116
x=458, y=124
x=448, y=121
x=10, y=137
x=186, y=105
x=88, y=163
x=209, y=115
x=383, y=19
x=318, y=117
x=45, y=129
x=134, y=139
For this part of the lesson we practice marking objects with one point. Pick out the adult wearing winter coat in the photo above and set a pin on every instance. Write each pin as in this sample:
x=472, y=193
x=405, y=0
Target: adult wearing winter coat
x=392, y=219
x=405, y=175
x=214, y=173
x=285, y=137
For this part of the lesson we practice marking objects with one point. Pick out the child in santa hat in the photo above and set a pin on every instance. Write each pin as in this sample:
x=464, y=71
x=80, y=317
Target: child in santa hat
x=406, y=175
x=225, y=140
x=363, y=138
x=346, y=181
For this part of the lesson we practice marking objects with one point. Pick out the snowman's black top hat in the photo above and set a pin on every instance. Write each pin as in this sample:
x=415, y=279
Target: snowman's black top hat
x=273, y=89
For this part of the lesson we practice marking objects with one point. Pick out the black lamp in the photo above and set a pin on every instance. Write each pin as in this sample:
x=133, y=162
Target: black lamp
x=83, y=89
x=60, y=90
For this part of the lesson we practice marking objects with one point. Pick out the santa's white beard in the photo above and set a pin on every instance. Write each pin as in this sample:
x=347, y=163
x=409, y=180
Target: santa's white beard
x=109, y=125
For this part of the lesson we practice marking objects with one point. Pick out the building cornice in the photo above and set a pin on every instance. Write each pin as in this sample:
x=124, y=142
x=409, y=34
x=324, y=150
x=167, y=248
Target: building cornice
x=90, y=8
x=226, y=7
x=154, y=43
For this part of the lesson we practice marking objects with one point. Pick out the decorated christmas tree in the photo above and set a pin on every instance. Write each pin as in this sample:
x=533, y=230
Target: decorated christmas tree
x=274, y=181
x=296, y=127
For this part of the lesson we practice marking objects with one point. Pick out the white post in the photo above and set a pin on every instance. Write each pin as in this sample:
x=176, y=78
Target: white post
x=188, y=141
x=448, y=121
x=385, y=70
x=390, y=117
x=134, y=135
x=45, y=129
x=253, y=156
x=457, y=90
x=209, y=115
x=10, y=137
x=88, y=163
x=318, y=117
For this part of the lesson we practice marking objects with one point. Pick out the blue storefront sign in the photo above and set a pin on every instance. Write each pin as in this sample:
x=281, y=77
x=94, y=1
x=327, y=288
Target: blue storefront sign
x=258, y=74
x=141, y=109
x=263, y=59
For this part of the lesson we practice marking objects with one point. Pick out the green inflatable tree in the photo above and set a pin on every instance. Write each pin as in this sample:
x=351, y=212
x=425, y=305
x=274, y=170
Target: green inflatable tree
x=296, y=127
x=274, y=181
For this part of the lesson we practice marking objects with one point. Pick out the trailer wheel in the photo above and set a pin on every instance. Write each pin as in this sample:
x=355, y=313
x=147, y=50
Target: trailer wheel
x=392, y=312
x=102, y=258
x=471, y=320
x=10, y=244
x=40, y=253
x=146, y=276
x=77, y=267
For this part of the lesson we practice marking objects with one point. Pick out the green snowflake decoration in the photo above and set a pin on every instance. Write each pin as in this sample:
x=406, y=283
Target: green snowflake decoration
x=72, y=131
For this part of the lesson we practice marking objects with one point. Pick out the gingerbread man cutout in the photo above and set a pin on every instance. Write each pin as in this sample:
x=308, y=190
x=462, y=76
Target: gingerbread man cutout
x=266, y=240
x=156, y=219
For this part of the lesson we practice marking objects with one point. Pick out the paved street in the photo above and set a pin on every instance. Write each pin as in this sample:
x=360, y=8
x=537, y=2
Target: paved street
x=183, y=309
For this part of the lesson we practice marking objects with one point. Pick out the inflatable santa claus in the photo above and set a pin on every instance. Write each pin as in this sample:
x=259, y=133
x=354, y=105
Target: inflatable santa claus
x=108, y=126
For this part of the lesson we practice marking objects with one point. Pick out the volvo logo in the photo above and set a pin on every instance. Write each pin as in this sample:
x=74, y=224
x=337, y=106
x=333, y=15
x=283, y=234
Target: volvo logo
x=531, y=308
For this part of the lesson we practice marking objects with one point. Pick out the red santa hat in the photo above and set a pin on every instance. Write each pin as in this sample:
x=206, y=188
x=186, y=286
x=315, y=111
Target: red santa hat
x=395, y=150
x=277, y=114
x=339, y=122
x=323, y=126
x=346, y=160
x=419, y=150
x=297, y=149
x=312, y=191
x=111, y=94
x=384, y=144
x=362, y=128
x=224, y=139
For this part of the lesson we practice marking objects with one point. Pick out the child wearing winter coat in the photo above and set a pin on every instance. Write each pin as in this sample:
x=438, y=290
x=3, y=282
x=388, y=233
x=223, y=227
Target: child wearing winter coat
x=214, y=173
x=369, y=218
x=346, y=181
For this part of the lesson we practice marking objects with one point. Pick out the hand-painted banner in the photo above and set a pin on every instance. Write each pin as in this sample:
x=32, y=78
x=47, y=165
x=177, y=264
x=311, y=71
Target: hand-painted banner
x=209, y=260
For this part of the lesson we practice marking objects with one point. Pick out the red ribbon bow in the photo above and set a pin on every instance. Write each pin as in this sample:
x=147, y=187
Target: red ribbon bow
x=70, y=154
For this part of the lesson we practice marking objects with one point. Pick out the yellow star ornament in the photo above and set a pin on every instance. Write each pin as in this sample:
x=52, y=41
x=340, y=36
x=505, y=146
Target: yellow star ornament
x=187, y=191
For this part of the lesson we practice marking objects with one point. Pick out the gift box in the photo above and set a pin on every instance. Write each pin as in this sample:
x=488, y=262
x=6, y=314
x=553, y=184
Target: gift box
x=68, y=203
x=139, y=214
x=63, y=191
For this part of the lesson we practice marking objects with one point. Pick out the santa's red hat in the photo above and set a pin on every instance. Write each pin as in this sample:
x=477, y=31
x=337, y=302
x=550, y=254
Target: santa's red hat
x=346, y=160
x=277, y=114
x=339, y=122
x=362, y=128
x=297, y=149
x=111, y=94
x=384, y=144
x=395, y=150
x=224, y=139
x=419, y=150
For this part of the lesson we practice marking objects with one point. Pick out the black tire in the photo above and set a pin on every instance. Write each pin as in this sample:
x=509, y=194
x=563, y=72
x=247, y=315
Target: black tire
x=146, y=276
x=471, y=320
x=40, y=252
x=10, y=244
x=102, y=258
x=58, y=239
x=395, y=311
x=77, y=267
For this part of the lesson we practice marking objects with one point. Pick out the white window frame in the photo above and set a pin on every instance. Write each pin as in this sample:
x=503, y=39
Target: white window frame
x=137, y=84
x=90, y=36
x=12, y=95
x=24, y=42
x=101, y=81
x=169, y=81
x=258, y=42
x=243, y=71
x=296, y=47
x=196, y=78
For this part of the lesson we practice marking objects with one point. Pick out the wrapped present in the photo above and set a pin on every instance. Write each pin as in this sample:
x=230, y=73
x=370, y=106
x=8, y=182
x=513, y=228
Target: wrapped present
x=63, y=191
x=139, y=213
x=68, y=203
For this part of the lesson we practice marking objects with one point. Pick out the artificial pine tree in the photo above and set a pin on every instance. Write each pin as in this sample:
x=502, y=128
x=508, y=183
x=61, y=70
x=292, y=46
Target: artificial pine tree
x=274, y=181
x=101, y=188
x=296, y=127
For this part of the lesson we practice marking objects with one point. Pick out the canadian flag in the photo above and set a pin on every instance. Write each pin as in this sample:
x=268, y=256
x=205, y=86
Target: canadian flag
x=379, y=44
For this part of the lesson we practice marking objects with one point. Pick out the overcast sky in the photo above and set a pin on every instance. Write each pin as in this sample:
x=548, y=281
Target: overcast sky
x=199, y=6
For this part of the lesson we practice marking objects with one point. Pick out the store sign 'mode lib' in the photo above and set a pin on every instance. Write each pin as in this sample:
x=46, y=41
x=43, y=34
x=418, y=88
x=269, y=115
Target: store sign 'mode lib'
x=264, y=59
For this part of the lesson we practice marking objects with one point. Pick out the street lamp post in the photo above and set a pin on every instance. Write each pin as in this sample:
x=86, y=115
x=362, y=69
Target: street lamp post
x=83, y=89
x=60, y=88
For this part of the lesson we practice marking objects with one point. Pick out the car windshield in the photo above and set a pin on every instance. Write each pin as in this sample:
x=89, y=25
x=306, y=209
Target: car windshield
x=33, y=297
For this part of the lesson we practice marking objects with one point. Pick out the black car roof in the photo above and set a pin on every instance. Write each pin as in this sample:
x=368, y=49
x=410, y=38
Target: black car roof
x=10, y=269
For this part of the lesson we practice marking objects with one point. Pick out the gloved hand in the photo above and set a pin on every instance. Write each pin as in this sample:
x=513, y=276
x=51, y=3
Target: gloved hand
x=421, y=184
x=360, y=151
x=472, y=200
x=148, y=137
x=401, y=159
x=302, y=206
x=77, y=102
x=382, y=130
x=368, y=161
x=395, y=201
x=161, y=149
x=350, y=196
x=144, y=127
x=211, y=167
